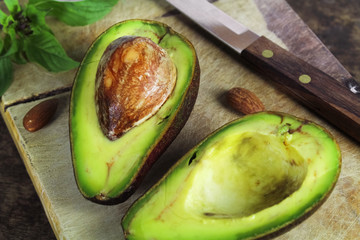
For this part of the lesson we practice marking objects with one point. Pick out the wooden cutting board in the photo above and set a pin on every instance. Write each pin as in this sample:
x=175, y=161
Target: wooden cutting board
x=46, y=153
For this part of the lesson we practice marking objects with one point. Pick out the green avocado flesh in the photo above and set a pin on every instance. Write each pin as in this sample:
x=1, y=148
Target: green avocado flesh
x=108, y=170
x=250, y=178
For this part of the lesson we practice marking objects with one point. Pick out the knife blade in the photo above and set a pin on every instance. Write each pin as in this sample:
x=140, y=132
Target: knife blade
x=302, y=81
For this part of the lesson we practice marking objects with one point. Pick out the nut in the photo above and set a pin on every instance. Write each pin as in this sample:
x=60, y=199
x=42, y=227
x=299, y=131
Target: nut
x=40, y=115
x=244, y=101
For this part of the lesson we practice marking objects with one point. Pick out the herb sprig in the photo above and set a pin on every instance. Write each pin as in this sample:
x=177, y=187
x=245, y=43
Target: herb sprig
x=26, y=37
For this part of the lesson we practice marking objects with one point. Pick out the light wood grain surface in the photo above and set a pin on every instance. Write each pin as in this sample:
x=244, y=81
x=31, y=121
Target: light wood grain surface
x=46, y=153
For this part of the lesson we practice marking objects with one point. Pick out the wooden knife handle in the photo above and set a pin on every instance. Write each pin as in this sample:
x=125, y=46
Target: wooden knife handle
x=311, y=86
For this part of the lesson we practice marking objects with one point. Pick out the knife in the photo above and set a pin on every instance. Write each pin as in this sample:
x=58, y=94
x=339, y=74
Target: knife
x=304, y=82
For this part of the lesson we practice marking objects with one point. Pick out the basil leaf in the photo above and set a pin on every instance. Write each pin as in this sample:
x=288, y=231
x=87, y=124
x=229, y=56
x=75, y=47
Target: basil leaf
x=77, y=13
x=1, y=45
x=13, y=6
x=10, y=44
x=6, y=21
x=19, y=57
x=6, y=74
x=45, y=50
x=3, y=17
x=37, y=19
x=34, y=2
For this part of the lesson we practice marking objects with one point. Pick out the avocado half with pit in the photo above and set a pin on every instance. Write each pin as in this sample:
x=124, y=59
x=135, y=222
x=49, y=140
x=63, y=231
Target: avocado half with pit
x=250, y=178
x=133, y=93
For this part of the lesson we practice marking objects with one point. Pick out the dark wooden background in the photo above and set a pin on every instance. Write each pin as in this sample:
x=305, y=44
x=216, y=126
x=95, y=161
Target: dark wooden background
x=336, y=23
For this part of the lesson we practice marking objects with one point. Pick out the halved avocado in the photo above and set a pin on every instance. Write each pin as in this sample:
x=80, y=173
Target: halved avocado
x=109, y=170
x=250, y=178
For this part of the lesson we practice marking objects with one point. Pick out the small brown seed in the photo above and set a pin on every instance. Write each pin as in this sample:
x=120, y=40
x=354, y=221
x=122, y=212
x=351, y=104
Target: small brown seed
x=40, y=115
x=244, y=101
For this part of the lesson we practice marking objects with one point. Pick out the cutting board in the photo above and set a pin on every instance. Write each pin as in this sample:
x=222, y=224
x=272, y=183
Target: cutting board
x=46, y=153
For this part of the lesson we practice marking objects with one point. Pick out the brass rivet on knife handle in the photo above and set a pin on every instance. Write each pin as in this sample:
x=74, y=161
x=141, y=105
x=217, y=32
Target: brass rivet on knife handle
x=325, y=95
x=304, y=78
x=267, y=53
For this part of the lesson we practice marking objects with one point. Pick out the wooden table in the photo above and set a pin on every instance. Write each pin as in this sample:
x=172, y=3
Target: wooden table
x=336, y=23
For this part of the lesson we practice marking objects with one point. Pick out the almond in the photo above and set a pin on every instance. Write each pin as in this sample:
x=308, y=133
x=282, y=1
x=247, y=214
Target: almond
x=244, y=101
x=40, y=115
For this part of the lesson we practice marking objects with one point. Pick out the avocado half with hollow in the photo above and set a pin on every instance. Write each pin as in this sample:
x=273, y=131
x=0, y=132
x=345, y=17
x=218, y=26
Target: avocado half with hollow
x=250, y=178
x=133, y=93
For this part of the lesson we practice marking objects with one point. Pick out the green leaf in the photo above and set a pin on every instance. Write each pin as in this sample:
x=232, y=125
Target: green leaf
x=1, y=45
x=13, y=6
x=7, y=21
x=37, y=19
x=6, y=74
x=18, y=57
x=35, y=2
x=77, y=13
x=3, y=17
x=10, y=44
x=45, y=50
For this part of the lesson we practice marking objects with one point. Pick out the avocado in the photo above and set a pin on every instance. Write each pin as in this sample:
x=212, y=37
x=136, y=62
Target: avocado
x=248, y=179
x=118, y=127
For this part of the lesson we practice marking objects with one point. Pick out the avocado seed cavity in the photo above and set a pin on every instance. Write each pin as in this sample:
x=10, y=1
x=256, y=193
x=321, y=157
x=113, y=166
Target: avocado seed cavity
x=243, y=174
x=134, y=79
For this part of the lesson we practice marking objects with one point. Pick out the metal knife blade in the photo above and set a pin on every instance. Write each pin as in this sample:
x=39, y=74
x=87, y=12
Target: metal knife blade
x=314, y=88
x=221, y=25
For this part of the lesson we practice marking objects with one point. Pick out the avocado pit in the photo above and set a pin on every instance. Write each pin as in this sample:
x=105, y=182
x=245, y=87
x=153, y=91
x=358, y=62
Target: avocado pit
x=134, y=79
